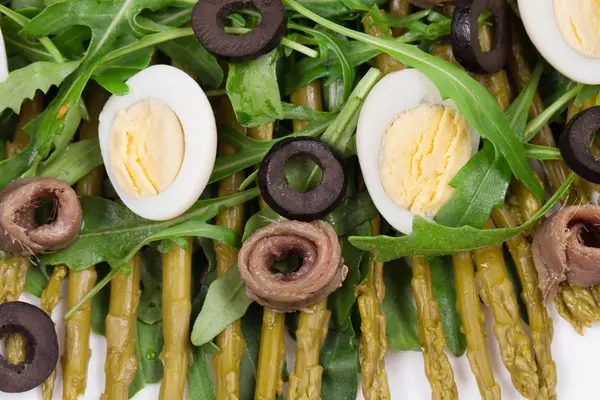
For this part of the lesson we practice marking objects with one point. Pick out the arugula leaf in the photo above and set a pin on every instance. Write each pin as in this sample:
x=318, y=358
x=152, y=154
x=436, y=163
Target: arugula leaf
x=225, y=302
x=150, y=308
x=77, y=160
x=251, y=330
x=328, y=42
x=473, y=100
x=148, y=346
x=191, y=56
x=444, y=291
x=431, y=239
x=339, y=358
x=23, y=83
x=262, y=218
x=199, y=373
x=259, y=102
x=351, y=213
x=71, y=42
x=586, y=93
x=341, y=301
x=36, y=281
x=399, y=307
x=482, y=183
x=107, y=223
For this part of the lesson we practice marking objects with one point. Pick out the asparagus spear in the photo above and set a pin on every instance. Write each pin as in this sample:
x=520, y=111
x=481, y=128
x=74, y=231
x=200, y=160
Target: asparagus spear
x=176, y=310
x=121, y=325
x=49, y=299
x=373, y=340
x=77, y=351
x=512, y=339
x=230, y=341
x=13, y=269
x=473, y=319
x=437, y=366
x=305, y=380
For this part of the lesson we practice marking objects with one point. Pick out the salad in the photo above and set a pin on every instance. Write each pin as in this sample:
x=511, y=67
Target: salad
x=266, y=198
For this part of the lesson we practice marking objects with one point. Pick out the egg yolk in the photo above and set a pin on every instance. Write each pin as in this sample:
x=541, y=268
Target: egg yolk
x=579, y=23
x=146, y=148
x=420, y=153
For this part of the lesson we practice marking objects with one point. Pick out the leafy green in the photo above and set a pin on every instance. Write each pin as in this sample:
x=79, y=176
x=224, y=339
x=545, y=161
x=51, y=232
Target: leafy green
x=341, y=301
x=351, y=213
x=258, y=103
x=399, y=308
x=77, y=160
x=148, y=346
x=518, y=112
x=251, y=330
x=36, y=281
x=444, y=291
x=226, y=302
x=339, y=358
x=150, y=308
x=261, y=219
x=23, y=83
x=431, y=239
x=542, y=152
x=586, y=93
x=473, y=100
x=199, y=373
x=106, y=223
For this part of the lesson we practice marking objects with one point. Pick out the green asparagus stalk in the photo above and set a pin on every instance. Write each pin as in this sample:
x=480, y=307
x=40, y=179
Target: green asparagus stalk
x=49, y=299
x=230, y=341
x=305, y=380
x=77, y=351
x=121, y=326
x=437, y=366
x=512, y=339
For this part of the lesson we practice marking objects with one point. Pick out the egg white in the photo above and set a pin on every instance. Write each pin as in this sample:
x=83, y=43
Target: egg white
x=542, y=28
x=396, y=92
x=185, y=97
x=3, y=60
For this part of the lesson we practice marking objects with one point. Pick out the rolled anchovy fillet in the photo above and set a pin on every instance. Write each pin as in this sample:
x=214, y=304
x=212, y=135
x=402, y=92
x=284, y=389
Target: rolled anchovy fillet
x=566, y=249
x=19, y=231
x=321, y=273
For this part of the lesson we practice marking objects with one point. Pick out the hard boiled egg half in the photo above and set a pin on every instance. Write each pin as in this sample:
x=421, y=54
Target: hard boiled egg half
x=3, y=61
x=567, y=35
x=411, y=143
x=159, y=142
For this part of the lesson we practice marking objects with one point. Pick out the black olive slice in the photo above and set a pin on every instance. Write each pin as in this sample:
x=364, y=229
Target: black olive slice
x=315, y=203
x=208, y=23
x=42, y=347
x=465, y=36
x=575, y=144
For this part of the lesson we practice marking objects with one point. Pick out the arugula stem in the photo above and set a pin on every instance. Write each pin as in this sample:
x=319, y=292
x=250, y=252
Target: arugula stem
x=536, y=124
x=44, y=41
x=99, y=286
x=290, y=44
x=148, y=41
x=542, y=152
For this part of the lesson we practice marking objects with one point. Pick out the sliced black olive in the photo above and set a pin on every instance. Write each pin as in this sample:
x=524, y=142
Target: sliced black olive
x=42, y=347
x=465, y=36
x=315, y=203
x=208, y=23
x=575, y=144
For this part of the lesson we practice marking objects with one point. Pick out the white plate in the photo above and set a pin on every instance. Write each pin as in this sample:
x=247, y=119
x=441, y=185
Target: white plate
x=575, y=356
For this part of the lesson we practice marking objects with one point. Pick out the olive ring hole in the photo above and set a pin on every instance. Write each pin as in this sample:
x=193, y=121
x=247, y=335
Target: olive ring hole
x=10, y=331
x=303, y=173
x=241, y=21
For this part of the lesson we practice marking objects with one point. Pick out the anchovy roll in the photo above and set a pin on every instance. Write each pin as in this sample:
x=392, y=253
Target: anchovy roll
x=321, y=273
x=19, y=231
x=566, y=249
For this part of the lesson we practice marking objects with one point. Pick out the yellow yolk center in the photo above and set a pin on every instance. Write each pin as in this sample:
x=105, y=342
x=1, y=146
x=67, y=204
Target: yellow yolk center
x=579, y=23
x=420, y=153
x=146, y=148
